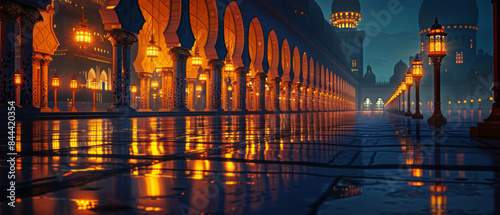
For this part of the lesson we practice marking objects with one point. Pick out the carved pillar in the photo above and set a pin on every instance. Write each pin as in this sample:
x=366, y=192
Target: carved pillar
x=8, y=57
x=191, y=93
x=275, y=93
x=115, y=38
x=128, y=41
x=179, y=57
x=145, y=91
x=44, y=91
x=303, y=96
x=239, y=97
x=214, y=91
x=26, y=60
x=296, y=97
x=167, y=101
x=260, y=91
x=37, y=58
x=286, y=86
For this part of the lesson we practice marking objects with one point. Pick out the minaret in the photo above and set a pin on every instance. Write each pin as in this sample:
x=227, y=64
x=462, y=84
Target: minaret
x=345, y=17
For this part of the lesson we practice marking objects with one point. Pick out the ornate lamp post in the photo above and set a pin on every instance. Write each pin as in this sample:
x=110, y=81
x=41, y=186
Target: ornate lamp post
x=133, y=89
x=437, y=52
x=94, y=86
x=73, y=85
x=403, y=90
x=55, y=85
x=409, y=83
x=417, y=75
x=17, y=83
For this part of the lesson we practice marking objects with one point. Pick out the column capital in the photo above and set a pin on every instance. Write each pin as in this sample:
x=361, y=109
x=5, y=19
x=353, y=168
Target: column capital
x=144, y=74
x=277, y=79
x=165, y=71
x=242, y=71
x=121, y=38
x=179, y=54
x=37, y=57
x=261, y=76
x=216, y=64
x=47, y=59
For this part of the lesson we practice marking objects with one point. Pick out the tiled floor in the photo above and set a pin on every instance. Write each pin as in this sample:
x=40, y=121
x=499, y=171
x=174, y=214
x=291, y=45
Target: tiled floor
x=315, y=163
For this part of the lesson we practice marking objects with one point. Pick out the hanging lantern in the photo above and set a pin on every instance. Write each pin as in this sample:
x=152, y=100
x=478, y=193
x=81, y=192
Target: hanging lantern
x=417, y=67
x=55, y=81
x=198, y=88
x=437, y=47
x=73, y=84
x=133, y=88
x=230, y=88
x=203, y=77
x=17, y=78
x=403, y=86
x=409, y=79
x=154, y=84
x=152, y=50
x=196, y=60
x=83, y=37
x=229, y=67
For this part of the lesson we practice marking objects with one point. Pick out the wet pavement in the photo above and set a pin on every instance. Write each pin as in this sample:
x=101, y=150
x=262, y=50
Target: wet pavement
x=311, y=163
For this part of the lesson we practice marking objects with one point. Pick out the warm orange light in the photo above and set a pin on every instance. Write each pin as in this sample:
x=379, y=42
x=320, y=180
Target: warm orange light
x=55, y=81
x=479, y=100
x=94, y=84
x=17, y=79
x=154, y=84
x=229, y=67
x=230, y=88
x=403, y=86
x=133, y=88
x=152, y=50
x=83, y=36
x=417, y=67
x=203, y=77
x=409, y=79
x=196, y=60
x=73, y=84
x=198, y=88
x=437, y=37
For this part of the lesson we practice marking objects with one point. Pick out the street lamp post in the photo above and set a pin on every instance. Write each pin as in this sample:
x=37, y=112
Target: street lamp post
x=403, y=90
x=17, y=83
x=417, y=75
x=55, y=85
x=409, y=83
x=73, y=85
x=437, y=53
x=94, y=87
x=133, y=89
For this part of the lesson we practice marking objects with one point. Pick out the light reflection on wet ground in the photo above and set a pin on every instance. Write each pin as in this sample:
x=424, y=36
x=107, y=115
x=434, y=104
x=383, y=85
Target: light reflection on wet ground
x=333, y=163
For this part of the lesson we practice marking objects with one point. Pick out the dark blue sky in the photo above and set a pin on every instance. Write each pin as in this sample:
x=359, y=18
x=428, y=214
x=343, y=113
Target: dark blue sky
x=401, y=34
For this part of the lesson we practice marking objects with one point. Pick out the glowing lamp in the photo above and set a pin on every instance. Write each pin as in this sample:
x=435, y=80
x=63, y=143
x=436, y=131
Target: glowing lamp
x=403, y=86
x=73, y=84
x=133, y=88
x=94, y=84
x=417, y=67
x=152, y=50
x=203, y=77
x=409, y=79
x=83, y=36
x=55, y=81
x=479, y=100
x=437, y=47
x=196, y=60
x=17, y=78
x=155, y=84
x=229, y=67
x=198, y=88
x=230, y=88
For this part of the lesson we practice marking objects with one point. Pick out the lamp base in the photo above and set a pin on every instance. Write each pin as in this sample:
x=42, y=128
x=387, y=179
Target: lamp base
x=417, y=115
x=437, y=120
x=55, y=109
x=408, y=114
x=491, y=125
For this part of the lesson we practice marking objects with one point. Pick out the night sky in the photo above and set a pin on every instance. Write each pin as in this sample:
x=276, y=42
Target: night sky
x=402, y=33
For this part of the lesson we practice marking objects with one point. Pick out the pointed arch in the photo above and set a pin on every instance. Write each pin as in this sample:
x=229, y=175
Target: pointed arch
x=273, y=54
x=234, y=33
x=285, y=60
x=256, y=46
x=204, y=25
x=296, y=65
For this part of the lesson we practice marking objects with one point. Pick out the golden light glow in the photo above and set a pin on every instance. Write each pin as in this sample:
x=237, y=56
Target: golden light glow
x=230, y=88
x=403, y=86
x=198, y=88
x=196, y=60
x=133, y=88
x=417, y=67
x=55, y=81
x=17, y=78
x=152, y=50
x=73, y=84
x=94, y=84
x=154, y=84
x=83, y=36
x=409, y=79
x=345, y=19
x=229, y=67
x=437, y=46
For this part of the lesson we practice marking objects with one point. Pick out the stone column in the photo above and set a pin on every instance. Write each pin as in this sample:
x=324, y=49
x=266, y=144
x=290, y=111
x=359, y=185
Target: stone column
x=214, y=91
x=26, y=62
x=44, y=92
x=115, y=38
x=240, y=91
x=8, y=57
x=179, y=57
x=145, y=77
x=303, y=96
x=191, y=94
x=127, y=43
x=166, y=85
x=275, y=93
x=37, y=70
x=287, y=85
x=296, y=97
x=260, y=91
